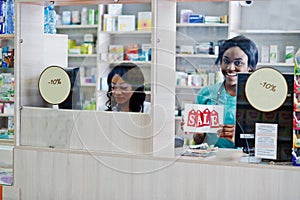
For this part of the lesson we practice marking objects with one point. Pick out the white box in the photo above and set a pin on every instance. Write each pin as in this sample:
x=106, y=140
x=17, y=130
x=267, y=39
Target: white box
x=289, y=54
x=115, y=9
x=265, y=54
x=144, y=20
x=184, y=15
x=109, y=23
x=126, y=22
x=186, y=49
x=66, y=18
x=273, y=53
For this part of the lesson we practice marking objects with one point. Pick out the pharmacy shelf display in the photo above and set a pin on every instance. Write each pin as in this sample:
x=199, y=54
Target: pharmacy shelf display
x=7, y=118
x=112, y=44
x=80, y=23
x=201, y=27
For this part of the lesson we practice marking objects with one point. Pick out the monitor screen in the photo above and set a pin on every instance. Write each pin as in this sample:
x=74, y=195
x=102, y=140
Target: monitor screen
x=247, y=116
x=73, y=100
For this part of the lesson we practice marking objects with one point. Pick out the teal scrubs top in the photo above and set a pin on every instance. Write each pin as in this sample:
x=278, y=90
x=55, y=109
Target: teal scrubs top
x=209, y=96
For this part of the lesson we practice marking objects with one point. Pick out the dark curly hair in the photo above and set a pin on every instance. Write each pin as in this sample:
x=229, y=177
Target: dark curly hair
x=133, y=75
x=244, y=43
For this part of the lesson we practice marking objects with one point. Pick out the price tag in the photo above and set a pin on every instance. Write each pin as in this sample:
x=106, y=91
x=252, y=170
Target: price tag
x=266, y=89
x=54, y=85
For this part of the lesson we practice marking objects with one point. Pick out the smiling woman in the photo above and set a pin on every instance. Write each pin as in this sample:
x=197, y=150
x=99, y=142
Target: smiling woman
x=126, y=89
x=238, y=54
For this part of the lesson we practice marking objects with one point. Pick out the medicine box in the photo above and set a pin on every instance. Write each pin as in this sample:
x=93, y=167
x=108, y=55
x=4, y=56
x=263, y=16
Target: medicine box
x=265, y=54
x=273, y=53
x=144, y=20
x=184, y=15
x=115, y=9
x=66, y=18
x=195, y=18
x=289, y=54
x=186, y=49
x=126, y=22
x=132, y=52
x=109, y=23
x=212, y=19
x=116, y=53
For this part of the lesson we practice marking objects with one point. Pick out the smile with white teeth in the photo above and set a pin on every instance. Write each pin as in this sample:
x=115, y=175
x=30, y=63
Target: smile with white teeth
x=231, y=74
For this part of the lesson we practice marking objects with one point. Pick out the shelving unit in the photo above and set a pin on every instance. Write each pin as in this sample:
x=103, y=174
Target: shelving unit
x=96, y=64
x=87, y=62
x=34, y=154
x=281, y=32
x=199, y=64
x=7, y=115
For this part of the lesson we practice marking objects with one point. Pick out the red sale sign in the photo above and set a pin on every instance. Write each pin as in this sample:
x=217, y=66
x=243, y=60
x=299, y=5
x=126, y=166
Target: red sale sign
x=203, y=118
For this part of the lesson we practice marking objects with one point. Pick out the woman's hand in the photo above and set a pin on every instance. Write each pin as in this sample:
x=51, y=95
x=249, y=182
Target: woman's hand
x=198, y=137
x=227, y=131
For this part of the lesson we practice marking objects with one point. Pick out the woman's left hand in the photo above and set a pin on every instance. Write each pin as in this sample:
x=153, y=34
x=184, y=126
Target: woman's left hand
x=227, y=131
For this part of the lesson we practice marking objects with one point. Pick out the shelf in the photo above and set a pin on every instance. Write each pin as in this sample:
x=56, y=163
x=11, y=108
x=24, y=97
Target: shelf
x=6, y=70
x=6, y=115
x=188, y=87
x=137, y=32
x=73, y=26
x=201, y=25
x=82, y=55
x=196, y=56
x=86, y=2
x=147, y=92
x=261, y=31
x=88, y=85
x=140, y=63
x=275, y=64
x=3, y=101
x=7, y=142
x=7, y=36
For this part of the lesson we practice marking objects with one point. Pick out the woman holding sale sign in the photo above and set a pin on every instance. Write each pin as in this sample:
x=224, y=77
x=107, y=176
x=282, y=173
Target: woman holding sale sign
x=238, y=54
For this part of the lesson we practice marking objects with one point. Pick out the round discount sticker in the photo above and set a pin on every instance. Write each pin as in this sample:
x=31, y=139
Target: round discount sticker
x=54, y=85
x=266, y=89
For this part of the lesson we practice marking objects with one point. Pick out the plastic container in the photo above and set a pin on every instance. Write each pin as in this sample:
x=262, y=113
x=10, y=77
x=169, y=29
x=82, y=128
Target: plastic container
x=91, y=17
x=52, y=20
x=46, y=19
x=297, y=62
x=4, y=56
x=10, y=13
x=2, y=16
x=84, y=16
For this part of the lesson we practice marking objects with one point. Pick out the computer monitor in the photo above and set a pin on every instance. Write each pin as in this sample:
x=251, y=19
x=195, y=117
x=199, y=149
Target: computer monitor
x=247, y=116
x=74, y=100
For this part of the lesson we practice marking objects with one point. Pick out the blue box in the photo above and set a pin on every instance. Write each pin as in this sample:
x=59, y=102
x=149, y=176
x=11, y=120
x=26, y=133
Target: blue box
x=195, y=18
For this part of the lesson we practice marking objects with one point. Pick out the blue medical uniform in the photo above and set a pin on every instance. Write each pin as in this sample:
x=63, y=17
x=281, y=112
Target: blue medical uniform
x=209, y=96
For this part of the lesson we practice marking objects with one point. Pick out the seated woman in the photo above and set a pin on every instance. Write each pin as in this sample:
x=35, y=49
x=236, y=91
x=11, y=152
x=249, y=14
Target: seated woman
x=126, y=89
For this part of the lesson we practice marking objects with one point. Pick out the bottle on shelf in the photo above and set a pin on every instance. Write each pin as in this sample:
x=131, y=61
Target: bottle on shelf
x=10, y=14
x=2, y=16
x=84, y=16
x=46, y=19
x=52, y=19
x=297, y=62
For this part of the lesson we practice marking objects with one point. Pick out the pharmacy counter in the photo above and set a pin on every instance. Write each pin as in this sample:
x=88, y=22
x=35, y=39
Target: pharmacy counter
x=47, y=173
